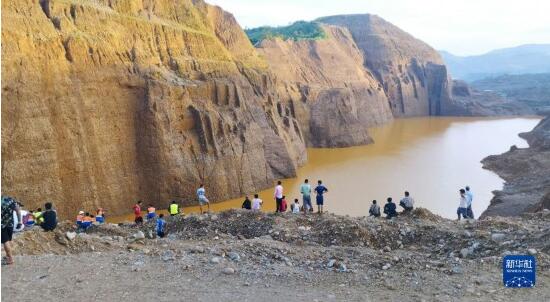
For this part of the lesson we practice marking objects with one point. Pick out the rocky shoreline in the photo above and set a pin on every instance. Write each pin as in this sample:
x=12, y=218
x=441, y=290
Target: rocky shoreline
x=240, y=255
x=526, y=172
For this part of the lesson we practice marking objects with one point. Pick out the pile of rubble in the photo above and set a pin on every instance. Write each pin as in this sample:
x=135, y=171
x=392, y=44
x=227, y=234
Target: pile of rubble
x=418, y=252
x=420, y=232
x=66, y=240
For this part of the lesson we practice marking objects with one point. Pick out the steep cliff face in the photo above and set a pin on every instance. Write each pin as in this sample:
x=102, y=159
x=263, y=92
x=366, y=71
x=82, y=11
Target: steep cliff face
x=412, y=73
x=105, y=102
x=366, y=51
x=334, y=97
x=109, y=101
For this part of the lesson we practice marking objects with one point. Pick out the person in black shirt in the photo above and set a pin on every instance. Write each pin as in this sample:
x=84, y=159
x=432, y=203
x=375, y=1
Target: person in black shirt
x=390, y=209
x=247, y=204
x=50, y=218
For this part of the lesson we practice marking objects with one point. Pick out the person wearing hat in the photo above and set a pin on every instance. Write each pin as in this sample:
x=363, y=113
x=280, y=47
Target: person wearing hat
x=79, y=218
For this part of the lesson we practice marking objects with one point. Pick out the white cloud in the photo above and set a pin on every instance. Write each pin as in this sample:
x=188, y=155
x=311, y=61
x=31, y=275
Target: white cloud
x=462, y=27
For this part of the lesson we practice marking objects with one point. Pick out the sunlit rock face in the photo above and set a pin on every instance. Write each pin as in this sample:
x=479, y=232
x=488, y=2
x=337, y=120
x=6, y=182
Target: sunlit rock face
x=335, y=98
x=412, y=73
x=107, y=102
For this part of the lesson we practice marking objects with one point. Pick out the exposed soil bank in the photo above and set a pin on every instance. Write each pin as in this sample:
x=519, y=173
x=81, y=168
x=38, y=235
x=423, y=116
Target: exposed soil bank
x=526, y=172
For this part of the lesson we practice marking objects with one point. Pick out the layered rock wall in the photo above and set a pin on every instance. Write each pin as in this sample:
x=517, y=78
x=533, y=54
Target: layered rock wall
x=335, y=98
x=412, y=73
x=107, y=102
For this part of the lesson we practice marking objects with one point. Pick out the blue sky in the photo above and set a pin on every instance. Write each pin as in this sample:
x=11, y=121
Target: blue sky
x=463, y=27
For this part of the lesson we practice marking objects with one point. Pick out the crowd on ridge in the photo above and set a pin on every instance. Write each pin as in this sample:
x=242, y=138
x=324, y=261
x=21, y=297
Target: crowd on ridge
x=47, y=219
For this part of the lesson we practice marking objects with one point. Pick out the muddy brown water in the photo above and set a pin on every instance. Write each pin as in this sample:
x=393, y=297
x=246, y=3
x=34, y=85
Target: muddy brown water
x=431, y=157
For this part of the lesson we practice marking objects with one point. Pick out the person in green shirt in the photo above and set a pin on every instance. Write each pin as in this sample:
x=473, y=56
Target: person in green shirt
x=305, y=189
x=173, y=208
x=37, y=216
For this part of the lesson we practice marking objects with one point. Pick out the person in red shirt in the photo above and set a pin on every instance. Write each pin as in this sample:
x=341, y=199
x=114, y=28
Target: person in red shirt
x=283, y=205
x=137, y=213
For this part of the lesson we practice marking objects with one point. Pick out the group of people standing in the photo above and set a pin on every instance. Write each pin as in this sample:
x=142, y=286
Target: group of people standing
x=48, y=219
x=281, y=204
x=465, y=205
x=173, y=210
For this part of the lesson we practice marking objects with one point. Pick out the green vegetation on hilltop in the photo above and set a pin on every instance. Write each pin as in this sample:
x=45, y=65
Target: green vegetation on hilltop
x=300, y=30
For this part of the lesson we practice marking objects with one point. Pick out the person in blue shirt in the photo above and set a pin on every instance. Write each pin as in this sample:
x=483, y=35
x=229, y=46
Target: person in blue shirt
x=469, y=198
x=305, y=189
x=320, y=190
x=161, y=224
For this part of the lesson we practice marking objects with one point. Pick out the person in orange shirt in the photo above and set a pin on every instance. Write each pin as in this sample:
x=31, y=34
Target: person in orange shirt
x=87, y=221
x=100, y=215
x=151, y=212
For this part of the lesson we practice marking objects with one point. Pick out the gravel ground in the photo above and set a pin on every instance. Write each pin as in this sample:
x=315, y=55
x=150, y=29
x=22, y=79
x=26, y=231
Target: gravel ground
x=287, y=257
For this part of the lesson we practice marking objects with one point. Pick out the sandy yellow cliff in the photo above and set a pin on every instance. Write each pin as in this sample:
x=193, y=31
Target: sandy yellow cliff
x=335, y=98
x=107, y=102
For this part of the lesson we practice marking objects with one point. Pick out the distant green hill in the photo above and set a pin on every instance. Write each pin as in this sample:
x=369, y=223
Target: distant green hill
x=300, y=30
x=530, y=89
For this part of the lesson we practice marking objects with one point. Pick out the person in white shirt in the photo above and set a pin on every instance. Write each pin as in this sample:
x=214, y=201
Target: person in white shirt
x=201, y=195
x=278, y=196
x=470, y=198
x=296, y=206
x=256, y=203
x=407, y=202
x=374, y=209
x=463, y=206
